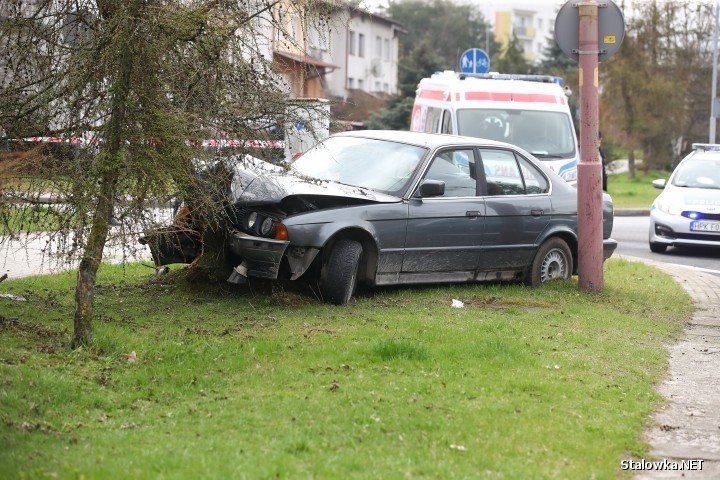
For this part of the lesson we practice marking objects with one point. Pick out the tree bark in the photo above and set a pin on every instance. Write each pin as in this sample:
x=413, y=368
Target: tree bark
x=109, y=162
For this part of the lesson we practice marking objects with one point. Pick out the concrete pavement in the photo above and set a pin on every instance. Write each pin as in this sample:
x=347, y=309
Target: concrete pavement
x=685, y=430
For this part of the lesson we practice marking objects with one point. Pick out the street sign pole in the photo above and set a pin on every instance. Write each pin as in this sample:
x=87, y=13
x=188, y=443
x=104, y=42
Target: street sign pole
x=713, y=101
x=589, y=187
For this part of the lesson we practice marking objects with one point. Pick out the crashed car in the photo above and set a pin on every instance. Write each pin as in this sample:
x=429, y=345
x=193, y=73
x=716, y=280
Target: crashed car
x=393, y=207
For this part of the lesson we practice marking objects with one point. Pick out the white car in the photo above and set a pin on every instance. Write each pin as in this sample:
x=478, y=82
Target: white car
x=687, y=212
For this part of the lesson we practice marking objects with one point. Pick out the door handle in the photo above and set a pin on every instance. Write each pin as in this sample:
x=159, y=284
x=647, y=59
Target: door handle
x=537, y=213
x=472, y=213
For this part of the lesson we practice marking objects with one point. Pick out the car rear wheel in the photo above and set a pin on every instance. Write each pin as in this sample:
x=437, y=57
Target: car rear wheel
x=341, y=271
x=553, y=260
x=657, y=247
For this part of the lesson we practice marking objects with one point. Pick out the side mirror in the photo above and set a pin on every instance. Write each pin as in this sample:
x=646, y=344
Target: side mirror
x=431, y=188
x=659, y=183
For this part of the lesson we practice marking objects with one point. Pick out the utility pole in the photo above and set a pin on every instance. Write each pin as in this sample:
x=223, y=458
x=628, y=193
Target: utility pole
x=589, y=31
x=713, y=100
x=590, y=238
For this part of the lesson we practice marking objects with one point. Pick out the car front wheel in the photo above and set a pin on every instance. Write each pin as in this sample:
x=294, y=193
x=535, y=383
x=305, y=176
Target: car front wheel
x=341, y=271
x=553, y=260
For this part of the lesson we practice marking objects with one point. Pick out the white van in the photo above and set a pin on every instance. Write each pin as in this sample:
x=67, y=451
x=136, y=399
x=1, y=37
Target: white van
x=530, y=111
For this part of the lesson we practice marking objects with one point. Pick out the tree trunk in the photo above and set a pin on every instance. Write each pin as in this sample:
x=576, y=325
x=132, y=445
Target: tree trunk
x=92, y=256
x=631, y=164
x=109, y=162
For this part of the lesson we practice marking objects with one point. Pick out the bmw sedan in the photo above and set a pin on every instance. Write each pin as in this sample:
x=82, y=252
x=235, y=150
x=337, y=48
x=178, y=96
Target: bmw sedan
x=393, y=207
x=687, y=212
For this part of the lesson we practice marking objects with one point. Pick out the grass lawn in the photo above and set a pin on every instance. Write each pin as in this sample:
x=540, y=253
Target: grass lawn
x=635, y=193
x=521, y=383
x=32, y=218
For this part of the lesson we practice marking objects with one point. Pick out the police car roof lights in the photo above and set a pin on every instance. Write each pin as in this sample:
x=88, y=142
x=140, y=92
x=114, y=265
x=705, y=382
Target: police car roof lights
x=706, y=147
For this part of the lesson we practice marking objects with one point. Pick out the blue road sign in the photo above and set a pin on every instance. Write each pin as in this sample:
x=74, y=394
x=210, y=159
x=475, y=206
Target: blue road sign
x=474, y=60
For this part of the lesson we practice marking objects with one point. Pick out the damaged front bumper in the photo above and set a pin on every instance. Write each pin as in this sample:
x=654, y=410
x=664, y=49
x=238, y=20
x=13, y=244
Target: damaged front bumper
x=261, y=256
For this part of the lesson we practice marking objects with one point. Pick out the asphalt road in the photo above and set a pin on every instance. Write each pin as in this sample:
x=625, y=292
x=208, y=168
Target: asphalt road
x=632, y=236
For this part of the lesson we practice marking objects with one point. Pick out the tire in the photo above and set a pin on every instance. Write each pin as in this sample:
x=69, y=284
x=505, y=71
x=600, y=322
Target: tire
x=553, y=260
x=657, y=247
x=341, y=271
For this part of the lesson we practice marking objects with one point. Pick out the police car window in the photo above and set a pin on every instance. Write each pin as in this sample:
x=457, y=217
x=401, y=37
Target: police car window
x=507, y=174
x=456, y=168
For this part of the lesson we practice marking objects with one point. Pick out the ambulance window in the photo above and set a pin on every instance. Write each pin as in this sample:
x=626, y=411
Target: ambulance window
x=446, y=122
x=432, y=121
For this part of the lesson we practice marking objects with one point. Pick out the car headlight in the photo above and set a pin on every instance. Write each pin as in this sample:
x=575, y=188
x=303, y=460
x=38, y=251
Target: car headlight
x=251, y=219
x=267, y=227
x=569, y=175
x=668, y=207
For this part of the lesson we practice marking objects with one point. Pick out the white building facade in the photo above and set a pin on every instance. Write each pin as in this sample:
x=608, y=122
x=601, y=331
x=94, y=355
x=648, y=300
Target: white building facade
x=364, y=46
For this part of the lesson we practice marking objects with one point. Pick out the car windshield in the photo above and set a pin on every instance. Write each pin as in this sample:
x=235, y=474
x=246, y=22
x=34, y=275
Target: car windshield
x=696, y=173
x=547, y=135
x=379, y=165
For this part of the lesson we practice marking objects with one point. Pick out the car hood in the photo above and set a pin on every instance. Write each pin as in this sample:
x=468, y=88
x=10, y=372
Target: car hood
x=701, y=199
x=252, y=186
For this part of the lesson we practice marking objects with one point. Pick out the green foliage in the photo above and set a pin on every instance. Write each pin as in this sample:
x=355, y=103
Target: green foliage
x=665, y=55
x=512, y=59
x=448, y=28
x=521, y=383
x=635, y=192
x=396, y=116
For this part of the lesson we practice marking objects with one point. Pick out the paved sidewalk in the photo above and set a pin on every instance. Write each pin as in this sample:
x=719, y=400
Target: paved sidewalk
x=687, y=427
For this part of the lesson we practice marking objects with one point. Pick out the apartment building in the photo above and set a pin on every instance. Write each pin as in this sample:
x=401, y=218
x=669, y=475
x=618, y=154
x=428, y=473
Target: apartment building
x=532, y=22
x=354, y=51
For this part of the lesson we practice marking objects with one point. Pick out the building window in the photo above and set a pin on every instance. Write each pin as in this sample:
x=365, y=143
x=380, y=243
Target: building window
x=361, y=45
x=351, y=83
x=386, y=49
x=351, y=41
x=378, y=47
x=386, y=88
x=377, y=86
x=361, y=84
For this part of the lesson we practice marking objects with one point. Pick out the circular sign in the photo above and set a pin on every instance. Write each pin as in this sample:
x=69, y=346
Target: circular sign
x=474, y=60
x=611, y=29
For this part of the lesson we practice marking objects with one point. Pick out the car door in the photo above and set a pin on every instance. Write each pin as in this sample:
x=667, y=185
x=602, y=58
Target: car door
x=517, y=209
x=444, y=232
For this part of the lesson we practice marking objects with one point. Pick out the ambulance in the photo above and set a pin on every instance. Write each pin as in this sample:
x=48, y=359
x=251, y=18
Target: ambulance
x=530, y=111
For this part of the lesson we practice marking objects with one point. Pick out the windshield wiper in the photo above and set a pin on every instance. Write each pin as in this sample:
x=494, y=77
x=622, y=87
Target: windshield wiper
x=545, y=155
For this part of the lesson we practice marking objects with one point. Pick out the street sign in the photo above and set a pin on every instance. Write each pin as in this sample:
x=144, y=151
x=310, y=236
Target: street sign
x=474, y=60
x=611, y=29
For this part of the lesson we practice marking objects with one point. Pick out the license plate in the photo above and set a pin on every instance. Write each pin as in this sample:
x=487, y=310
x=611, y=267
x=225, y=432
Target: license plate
x=712, y=227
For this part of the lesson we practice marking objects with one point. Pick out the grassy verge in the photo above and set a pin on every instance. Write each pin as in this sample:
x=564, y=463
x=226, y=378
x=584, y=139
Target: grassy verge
x=635, y=193
x=521, y=383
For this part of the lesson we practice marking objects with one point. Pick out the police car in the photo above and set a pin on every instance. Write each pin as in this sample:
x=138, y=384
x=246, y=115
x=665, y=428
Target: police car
x=687, y=212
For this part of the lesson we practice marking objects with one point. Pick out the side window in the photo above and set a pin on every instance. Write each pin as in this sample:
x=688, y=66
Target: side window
x=446, y=122
x=432, y=121
x=456, y=168
x=508, y=175
x=535, y=181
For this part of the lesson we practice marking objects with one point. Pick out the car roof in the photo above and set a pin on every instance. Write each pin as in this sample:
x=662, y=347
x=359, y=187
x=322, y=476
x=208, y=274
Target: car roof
x=429, y=140
x=705, y=151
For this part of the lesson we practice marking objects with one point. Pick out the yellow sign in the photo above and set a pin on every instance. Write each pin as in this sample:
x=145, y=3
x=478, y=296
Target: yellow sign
x=609, y=39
